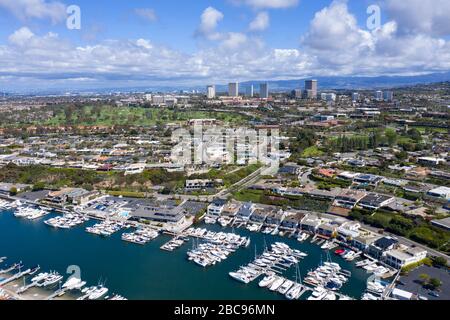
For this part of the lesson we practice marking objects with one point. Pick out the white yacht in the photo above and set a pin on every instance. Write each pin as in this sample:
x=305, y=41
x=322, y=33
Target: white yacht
x=285, y=287
x=267, y=281
x=98, y=293
x=277, y=284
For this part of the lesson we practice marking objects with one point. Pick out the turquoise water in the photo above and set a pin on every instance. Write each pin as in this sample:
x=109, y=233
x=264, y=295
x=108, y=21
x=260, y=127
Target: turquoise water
x=147, y=272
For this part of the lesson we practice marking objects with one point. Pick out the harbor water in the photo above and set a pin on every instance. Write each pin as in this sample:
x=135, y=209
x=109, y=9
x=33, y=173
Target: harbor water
x=147, y=272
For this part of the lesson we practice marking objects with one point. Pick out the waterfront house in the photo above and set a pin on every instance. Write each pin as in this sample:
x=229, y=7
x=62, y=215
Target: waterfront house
x=326, y=229
x=400, y=258
x=292, y=220
x=349, y=230
x=245, y=211
x=310, y=223
x=215, y=208
x=274, y=218
x=380, y=246
x=261, y=212
x=160, y=213
x=231, y=209
x=364, y=240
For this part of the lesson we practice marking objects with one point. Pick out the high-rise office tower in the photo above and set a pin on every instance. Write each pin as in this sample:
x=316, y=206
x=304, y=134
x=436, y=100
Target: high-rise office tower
x=311, y=89
x=388, y=96
x=233, y=89
x=264, y=90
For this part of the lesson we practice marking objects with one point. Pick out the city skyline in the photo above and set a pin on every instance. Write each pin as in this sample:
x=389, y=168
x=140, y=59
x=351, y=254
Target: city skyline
x=216, y=42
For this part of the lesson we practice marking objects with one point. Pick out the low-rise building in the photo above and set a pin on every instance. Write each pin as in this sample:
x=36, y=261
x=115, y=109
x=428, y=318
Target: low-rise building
x=311, y=223
x=382, y=245
x=349, y=198
x=292, y=220
x=215, y=208
x=246, y=211
x=442, y=193
x=442, y=223
x=400, y=258
x=374, y=201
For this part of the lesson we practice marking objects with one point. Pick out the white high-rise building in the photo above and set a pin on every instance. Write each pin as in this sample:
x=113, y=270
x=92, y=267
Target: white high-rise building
x=233, y=89
x=211, y=92
x=355, y=96
x=379, y=95
x=264, y=90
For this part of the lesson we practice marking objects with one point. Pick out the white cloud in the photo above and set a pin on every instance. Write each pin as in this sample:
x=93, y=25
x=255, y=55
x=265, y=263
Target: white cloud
x=40, y=9
x=268, y=4
x=147, y=14
x=234, y=40
x=260, y=23
x=337, y=43
x=21, y=36
x=209, y=20
x=420, y=16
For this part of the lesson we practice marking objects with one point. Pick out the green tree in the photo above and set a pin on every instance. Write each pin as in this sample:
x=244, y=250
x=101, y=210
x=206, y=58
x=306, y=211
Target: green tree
x=13, y=191
x=391, y=136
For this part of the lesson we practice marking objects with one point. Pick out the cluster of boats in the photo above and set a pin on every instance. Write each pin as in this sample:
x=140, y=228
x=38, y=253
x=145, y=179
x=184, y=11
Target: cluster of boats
x=210, y=219
x=290, y=289
x=328, y=245
x=278, y=259
x=371, y=266
x=42, y=280
x=67, y=221
x=208, y=254
x=105, y=228
x=348, y=255
x=321, y=293
x=329, y=276
x=4, y=296
x=224, y=220
x=51, y=280
x=218, y=237
x=140, y=236
x=174, y=244
x=5, y=205
x=302, y=236
x=30, y=213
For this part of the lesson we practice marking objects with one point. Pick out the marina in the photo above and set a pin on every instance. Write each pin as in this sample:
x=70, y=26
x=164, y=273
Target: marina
x=50, y=285
x=144, y=266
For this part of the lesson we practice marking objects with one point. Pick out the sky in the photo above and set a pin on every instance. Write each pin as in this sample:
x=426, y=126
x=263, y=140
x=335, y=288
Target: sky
x=125, y=43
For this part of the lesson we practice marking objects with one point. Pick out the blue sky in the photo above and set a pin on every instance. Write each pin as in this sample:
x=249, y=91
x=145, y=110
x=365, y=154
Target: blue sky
x=177, y=42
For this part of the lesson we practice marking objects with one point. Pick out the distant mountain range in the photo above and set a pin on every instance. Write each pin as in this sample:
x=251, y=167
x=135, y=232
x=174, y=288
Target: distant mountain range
x=348, y=82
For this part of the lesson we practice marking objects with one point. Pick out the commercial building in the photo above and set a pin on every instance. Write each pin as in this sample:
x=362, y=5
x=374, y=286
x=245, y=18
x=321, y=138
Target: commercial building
x=398, y=258
x=311, y=89
x=388, y=96
x=216, y=207
x=211, y=92
x=264, y=90
x=233, y=89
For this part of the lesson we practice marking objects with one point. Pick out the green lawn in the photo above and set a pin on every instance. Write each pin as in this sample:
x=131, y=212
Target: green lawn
x=312, y=151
